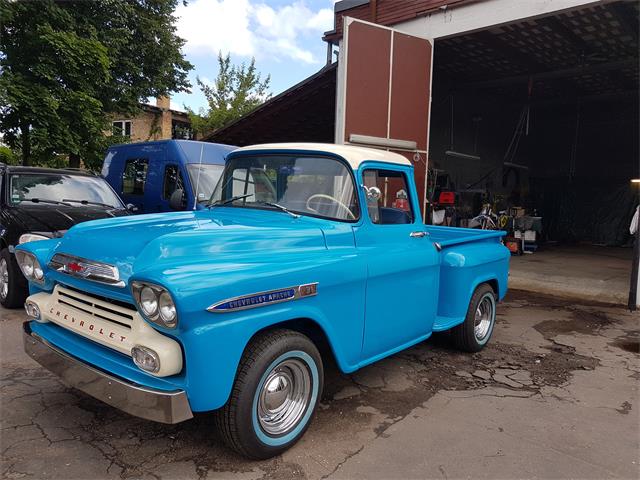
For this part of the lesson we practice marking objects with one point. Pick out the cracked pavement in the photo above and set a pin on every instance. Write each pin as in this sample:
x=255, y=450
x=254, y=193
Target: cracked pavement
x=555, y=394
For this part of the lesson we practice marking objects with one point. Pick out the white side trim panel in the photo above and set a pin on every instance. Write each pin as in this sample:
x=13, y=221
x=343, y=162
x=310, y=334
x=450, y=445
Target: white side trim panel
x=480, y=15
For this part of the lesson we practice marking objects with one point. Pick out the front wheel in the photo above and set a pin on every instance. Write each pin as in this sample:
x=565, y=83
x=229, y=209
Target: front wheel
x=275, y=394
x=474, y=333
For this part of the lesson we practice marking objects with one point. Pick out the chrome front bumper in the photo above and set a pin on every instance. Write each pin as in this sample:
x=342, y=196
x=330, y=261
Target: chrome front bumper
x=151, y=404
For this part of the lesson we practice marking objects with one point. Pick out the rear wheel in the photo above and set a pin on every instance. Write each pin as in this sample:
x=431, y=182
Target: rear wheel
x=474, y=333
x=275, y=394
x=13, y=286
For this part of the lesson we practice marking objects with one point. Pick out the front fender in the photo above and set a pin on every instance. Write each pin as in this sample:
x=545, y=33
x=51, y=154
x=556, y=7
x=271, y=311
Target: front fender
x=213, y=352
x=213, y=342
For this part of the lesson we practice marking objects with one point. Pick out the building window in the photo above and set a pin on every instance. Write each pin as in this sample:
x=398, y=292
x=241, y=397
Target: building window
x=134, y=176
x=172, y=181
x=181, y=131
x=122, y=128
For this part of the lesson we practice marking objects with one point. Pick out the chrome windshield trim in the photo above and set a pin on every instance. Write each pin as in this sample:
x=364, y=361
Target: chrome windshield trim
x=262, y=299
x=86, y=269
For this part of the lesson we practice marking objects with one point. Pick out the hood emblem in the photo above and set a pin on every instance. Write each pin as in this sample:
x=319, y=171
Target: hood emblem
x=87, y=269
x=261, y=299
x=75, y=267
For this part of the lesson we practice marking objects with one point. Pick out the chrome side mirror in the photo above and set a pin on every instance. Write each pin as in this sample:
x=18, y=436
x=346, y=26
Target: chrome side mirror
x=373, y=193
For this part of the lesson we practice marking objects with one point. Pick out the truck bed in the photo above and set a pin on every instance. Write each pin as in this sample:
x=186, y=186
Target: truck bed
x=449, y=236
x=469, y=257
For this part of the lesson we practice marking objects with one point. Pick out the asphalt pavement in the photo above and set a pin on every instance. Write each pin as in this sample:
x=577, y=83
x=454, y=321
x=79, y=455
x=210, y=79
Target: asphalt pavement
x=554, y=395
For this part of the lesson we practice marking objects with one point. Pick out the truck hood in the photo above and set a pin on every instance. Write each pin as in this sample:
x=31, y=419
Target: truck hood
x=138, y=242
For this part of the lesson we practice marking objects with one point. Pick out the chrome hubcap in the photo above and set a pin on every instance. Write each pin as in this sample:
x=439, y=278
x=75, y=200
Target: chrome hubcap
x=284, y=397
x=484, y=317
x=4, y=279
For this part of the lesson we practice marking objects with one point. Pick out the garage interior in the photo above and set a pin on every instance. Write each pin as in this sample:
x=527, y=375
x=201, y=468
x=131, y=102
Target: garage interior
x=537, y=119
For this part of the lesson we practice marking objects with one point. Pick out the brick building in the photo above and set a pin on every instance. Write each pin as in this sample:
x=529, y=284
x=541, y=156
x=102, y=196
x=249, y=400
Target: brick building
x=154, y=122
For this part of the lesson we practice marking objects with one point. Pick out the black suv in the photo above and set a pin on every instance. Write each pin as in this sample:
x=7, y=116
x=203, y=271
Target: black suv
x=41, y=203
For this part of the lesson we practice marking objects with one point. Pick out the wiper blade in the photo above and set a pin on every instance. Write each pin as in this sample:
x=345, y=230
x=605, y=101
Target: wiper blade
x=279, y=207
x=43, y=200
x=229, y=200
x=87, y=202
x=259, y=202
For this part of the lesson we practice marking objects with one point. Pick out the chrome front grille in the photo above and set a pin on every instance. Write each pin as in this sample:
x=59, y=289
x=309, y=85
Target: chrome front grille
x=97, y=307
x=87, y=269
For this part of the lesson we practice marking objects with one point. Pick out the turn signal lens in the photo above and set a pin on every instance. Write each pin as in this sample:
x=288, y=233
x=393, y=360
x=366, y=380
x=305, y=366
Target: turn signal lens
x=146, y=359
x=32, y=310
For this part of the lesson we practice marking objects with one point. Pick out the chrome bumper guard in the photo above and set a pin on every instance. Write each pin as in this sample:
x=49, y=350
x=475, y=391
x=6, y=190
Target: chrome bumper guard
x=148, y=403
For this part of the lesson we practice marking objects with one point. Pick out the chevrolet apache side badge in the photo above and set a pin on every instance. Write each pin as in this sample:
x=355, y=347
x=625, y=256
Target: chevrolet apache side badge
x=264, y=298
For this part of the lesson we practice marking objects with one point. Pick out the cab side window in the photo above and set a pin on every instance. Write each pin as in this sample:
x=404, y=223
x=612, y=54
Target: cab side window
x=393, y=207
x=172, y=181
x=134, y=177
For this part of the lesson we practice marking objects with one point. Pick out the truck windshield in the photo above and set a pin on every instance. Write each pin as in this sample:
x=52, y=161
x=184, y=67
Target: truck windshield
x=52, y=188
x=306, y=185
x=205, y=176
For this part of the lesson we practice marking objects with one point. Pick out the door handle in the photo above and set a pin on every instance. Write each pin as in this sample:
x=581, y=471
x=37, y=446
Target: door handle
x=418, y=234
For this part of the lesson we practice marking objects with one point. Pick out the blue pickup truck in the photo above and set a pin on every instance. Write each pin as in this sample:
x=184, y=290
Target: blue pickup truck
x=165, y=175
x=301, y=255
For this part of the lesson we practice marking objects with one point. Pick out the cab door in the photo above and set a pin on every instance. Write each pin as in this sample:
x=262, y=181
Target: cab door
x=402, y=262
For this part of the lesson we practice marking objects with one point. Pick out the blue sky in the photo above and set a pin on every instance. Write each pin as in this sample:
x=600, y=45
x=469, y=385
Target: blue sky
x=284, y=36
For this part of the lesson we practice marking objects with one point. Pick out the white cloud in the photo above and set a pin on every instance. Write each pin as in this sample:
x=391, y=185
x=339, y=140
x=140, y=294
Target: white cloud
x=248, y=28
x=212, y=25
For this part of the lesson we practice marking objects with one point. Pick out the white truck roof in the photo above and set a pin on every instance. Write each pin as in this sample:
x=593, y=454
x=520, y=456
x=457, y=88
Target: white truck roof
x=353, y=154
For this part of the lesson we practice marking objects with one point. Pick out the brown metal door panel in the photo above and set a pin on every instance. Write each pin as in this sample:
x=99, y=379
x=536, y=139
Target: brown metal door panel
x=384, y=91
x=410, y=85
x=367, y=102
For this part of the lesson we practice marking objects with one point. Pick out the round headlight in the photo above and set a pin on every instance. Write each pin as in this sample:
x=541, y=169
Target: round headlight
x=38, y=274
x=148, y=301
x=27, y=266
x=167, y=309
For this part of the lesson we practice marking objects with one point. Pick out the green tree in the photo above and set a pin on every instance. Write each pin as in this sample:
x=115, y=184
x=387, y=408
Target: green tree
x=236, y=91
x=7, y=156
x=66, y=65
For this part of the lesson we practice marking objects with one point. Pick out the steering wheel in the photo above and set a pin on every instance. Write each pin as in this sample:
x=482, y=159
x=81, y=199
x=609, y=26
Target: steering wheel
x=334, y=200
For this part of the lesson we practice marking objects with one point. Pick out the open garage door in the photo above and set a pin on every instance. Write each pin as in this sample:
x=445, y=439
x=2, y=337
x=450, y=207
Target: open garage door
x=384, y=93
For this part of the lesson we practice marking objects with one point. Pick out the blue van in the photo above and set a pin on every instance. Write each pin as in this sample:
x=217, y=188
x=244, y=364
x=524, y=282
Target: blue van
x=165, y=175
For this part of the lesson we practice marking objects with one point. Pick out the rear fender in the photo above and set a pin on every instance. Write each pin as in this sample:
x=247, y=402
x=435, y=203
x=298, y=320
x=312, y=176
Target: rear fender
x=463, y=268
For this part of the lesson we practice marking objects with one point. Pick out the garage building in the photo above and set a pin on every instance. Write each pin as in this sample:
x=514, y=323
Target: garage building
x=528, y=107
